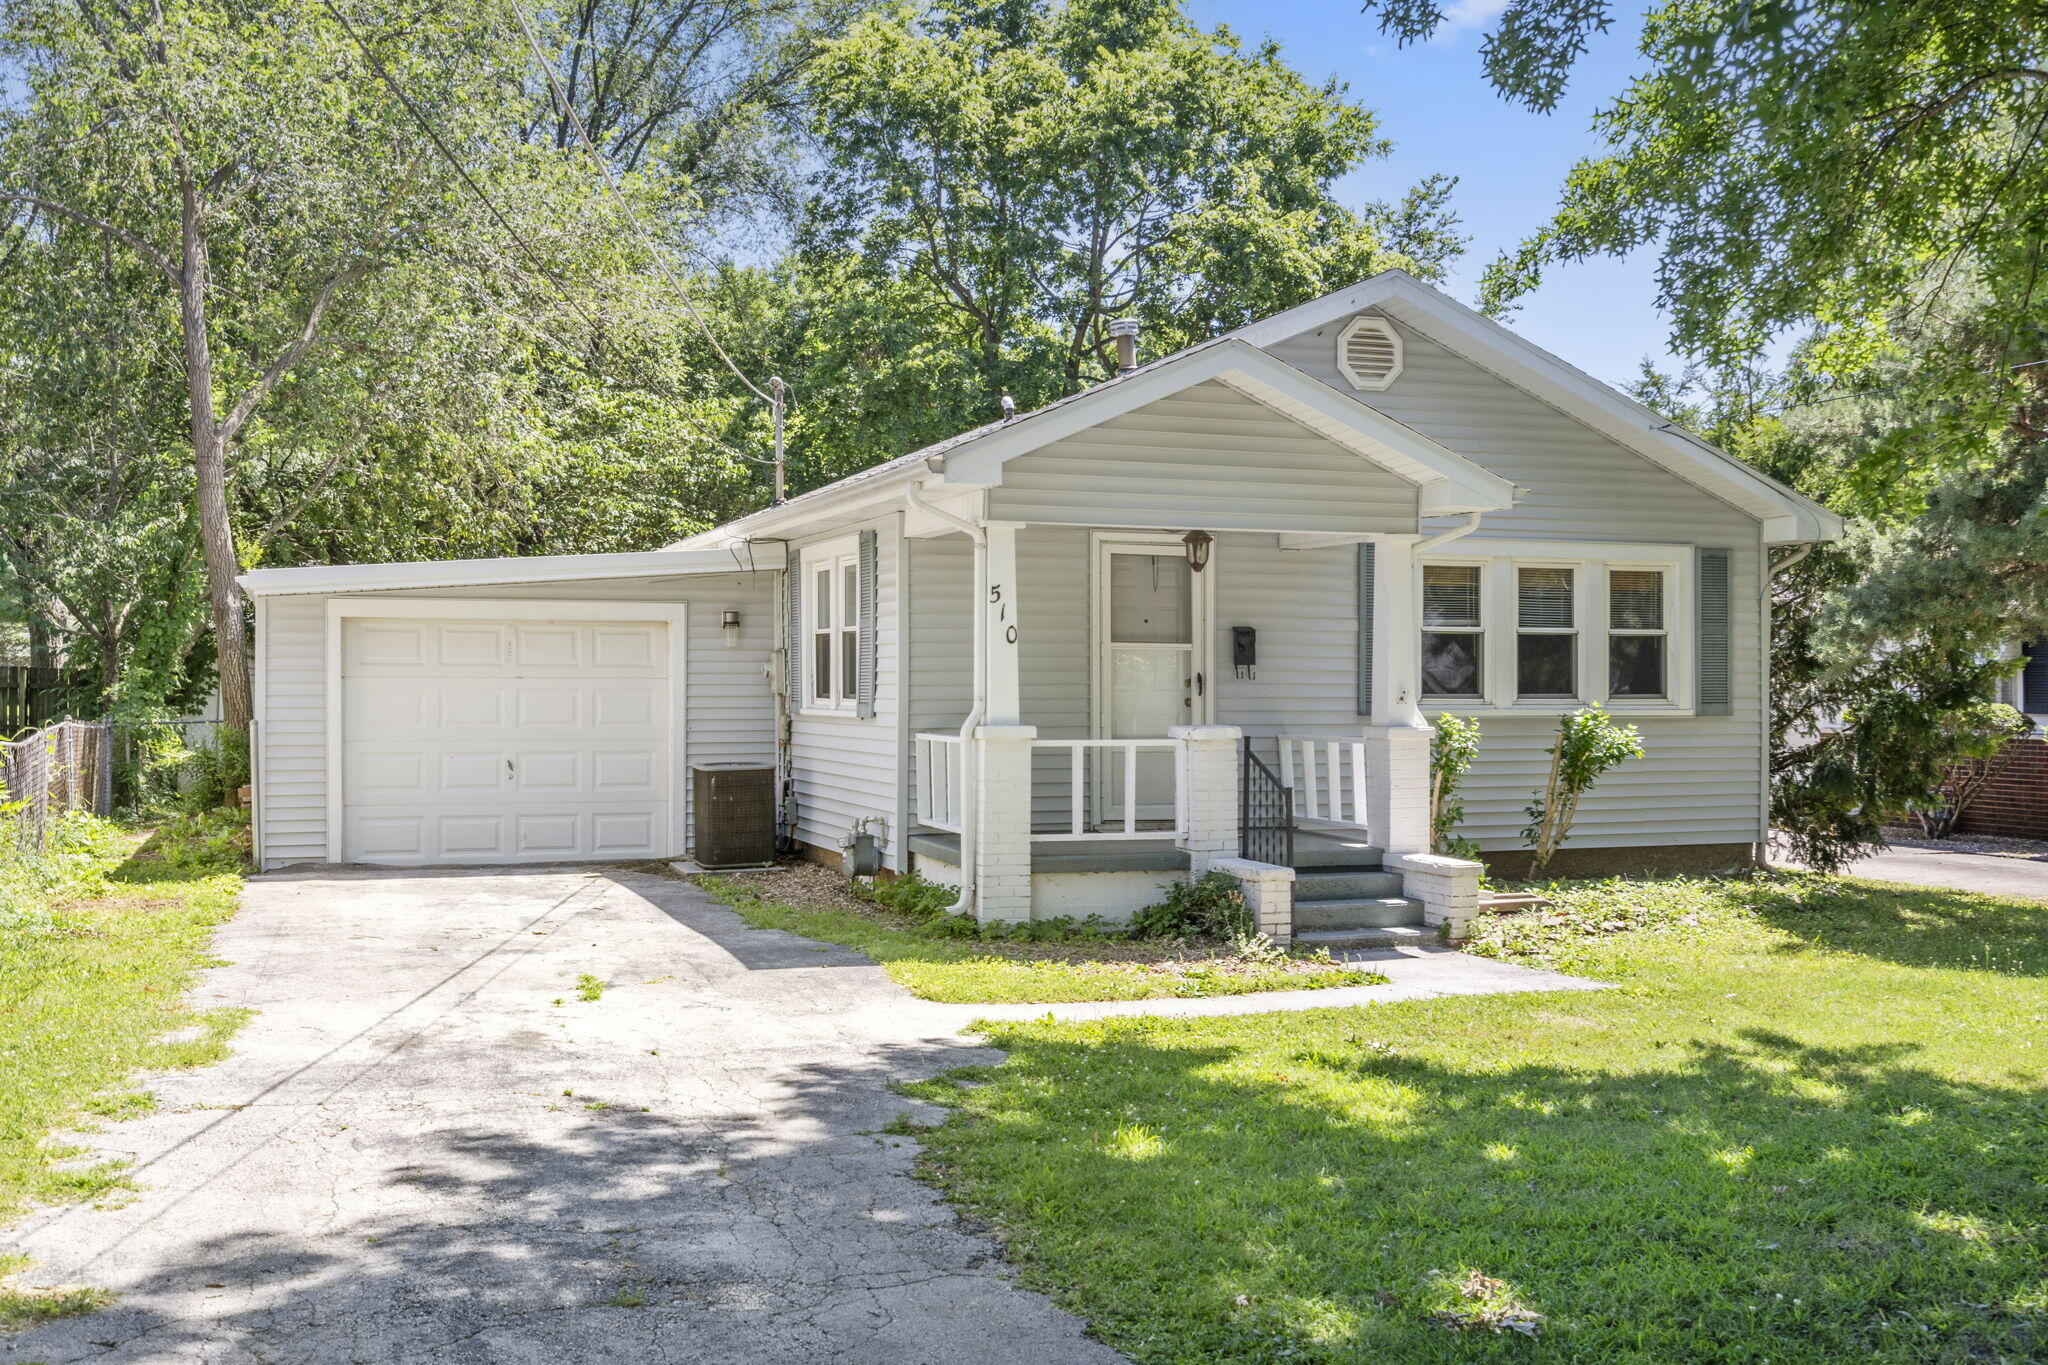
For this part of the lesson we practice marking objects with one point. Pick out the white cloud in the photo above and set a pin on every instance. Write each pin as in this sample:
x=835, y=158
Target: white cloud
x=1464, y=14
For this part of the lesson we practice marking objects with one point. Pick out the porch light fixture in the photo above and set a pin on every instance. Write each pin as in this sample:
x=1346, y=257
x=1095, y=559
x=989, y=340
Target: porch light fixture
x=1198, y=543
x=731, y=621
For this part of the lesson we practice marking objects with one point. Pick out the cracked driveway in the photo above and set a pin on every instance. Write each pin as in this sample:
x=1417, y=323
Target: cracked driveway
x=414, y=1155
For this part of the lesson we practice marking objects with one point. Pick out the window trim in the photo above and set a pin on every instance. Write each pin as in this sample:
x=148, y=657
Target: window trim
x=1482, y=630
x=1499, y=562
x=841, y=558
x=1660, y=633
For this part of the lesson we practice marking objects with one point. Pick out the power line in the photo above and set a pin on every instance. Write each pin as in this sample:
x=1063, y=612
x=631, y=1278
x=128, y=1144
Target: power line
x=625, y=207
x=434, y=135
x=561, y=287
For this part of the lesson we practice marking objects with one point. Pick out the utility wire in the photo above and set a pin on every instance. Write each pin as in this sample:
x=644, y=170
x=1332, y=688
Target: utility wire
x=625, y=207
x=434, y=135
x=533, y=256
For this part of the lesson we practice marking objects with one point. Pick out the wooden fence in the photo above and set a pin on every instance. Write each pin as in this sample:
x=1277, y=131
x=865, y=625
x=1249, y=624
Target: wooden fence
x=29, y=697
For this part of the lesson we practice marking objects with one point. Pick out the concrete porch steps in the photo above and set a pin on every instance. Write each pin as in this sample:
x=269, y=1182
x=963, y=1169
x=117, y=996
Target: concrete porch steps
x=1338, y=883
x=1357, y=912
x=1389, y=936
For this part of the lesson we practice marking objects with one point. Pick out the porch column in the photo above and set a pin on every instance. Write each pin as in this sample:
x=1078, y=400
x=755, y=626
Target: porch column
x=1397, y=787
x=1205, y=793
x=1397, y=634
x=1001, y=627
x=1002, y=777
x=1002, y=822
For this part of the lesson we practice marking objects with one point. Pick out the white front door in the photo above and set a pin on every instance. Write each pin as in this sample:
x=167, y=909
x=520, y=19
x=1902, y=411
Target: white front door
x=505, y=741
x=1154, y=623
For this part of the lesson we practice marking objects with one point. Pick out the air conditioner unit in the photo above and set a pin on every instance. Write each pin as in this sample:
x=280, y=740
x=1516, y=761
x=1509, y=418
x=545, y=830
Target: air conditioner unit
x=735, y=814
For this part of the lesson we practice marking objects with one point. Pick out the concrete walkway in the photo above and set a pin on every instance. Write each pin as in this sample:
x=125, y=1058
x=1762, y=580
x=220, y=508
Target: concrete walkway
x=416, y=1154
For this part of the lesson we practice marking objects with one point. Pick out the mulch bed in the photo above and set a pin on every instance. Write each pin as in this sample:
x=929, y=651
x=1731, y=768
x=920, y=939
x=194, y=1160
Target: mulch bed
x=808, y=886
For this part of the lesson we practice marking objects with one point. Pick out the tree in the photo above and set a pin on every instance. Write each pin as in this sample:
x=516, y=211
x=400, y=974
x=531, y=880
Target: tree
x=1005, y=177
x=1588, y=744
x=1795, y=166
x=248, y=155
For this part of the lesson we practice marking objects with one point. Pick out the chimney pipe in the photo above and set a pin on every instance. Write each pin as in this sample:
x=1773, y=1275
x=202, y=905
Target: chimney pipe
x=1125, y=330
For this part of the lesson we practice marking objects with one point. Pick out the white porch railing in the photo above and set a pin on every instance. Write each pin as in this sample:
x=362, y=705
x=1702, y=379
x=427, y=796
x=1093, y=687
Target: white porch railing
x=1118, y=759
x=941, y=794
x=1327, y=774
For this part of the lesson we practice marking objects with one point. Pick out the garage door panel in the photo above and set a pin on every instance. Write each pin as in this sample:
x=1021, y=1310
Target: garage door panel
x=549, y=647
x=617, y=709
x=505, y=741
x=469, y=646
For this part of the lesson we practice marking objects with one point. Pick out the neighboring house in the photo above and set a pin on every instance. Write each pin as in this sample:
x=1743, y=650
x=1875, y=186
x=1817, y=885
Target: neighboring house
x=2014, y=804
x=1030, y=651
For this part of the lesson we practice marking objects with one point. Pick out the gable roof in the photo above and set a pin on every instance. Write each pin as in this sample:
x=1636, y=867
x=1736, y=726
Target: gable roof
x=1788, y=515
x=1447, y=481
x=1450, y=482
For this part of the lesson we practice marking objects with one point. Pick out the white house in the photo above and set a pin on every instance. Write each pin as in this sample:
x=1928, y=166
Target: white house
x=1027, y=660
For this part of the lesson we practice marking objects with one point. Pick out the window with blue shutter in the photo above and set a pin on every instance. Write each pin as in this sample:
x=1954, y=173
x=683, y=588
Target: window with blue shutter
x=1365, y=623
x=1713, y=645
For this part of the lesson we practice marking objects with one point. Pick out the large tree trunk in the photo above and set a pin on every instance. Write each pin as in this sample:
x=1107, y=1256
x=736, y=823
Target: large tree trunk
x=209, y=466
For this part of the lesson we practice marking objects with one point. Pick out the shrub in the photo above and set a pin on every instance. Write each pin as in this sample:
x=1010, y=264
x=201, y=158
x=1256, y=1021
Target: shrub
x=1211, y=906
x=1451, y=752
x=220, y=769
x=910, y=895
x=1588, y=744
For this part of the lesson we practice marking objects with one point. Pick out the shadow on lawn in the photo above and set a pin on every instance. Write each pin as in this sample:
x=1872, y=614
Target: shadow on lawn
x=1734, y=1202
x=1913, y=927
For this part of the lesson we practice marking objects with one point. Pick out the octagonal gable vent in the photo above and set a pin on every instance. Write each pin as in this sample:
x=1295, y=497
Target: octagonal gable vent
x=1369, y=353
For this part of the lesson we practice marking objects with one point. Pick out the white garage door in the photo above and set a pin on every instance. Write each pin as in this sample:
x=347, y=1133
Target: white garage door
x=504, y=741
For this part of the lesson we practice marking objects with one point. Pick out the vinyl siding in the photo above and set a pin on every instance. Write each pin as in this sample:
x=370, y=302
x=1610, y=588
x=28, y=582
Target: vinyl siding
x=729, y=715
x=1700, y=779
x=1208, y=457
x=847, y=768
x=292, y=770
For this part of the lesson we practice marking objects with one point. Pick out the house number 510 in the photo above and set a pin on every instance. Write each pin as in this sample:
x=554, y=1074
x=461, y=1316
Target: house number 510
x=995, y=599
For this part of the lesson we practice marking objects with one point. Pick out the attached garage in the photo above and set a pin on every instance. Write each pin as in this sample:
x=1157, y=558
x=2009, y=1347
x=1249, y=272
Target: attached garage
x=488, y=712
x=503, y=740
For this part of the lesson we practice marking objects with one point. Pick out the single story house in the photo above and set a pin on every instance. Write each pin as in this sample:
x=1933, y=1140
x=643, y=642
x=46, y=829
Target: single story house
x=1198, y=614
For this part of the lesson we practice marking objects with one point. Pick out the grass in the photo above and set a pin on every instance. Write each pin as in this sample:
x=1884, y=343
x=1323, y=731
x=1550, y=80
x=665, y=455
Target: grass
x=98, y=945
x=1808, y=1126
x=940, y=958
x=589, y=987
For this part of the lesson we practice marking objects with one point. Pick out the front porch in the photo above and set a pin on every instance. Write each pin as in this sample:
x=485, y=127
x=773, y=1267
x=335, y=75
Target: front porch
x=1048, y=829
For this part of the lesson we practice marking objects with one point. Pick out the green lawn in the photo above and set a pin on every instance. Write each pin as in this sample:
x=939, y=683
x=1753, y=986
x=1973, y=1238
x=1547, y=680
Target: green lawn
x=98, y=946
x=927, y=956
x=1810, y=1125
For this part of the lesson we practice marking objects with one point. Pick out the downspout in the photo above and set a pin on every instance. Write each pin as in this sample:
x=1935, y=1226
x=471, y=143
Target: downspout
x=978, y=702
x=1771, y=571
x=1446, y=537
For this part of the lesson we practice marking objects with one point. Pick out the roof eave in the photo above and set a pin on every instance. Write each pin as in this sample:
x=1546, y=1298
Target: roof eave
x=481, y=573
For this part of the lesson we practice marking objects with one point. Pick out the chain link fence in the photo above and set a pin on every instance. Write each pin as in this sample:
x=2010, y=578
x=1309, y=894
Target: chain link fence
x=62, y=767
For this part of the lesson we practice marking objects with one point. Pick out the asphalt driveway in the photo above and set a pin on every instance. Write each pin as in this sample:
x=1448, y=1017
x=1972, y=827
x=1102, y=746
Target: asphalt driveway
x=428, y=1148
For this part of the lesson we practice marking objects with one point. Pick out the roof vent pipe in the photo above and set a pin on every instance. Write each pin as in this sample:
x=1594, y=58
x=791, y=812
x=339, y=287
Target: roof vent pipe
x=1125, y=330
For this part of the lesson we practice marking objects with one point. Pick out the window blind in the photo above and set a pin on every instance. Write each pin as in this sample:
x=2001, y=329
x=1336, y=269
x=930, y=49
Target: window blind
x=1450, y=595
x=1544, y=599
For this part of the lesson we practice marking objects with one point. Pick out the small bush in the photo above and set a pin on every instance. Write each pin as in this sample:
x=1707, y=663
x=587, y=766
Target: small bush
x=910, y=895
x=1211, y=906
x=219, y=770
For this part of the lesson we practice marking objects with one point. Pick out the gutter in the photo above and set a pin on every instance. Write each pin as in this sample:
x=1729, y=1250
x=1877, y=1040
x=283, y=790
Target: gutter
x=978, y=706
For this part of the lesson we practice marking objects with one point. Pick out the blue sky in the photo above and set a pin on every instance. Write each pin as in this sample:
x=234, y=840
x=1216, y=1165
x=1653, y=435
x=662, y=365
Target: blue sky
x=1442, y=116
